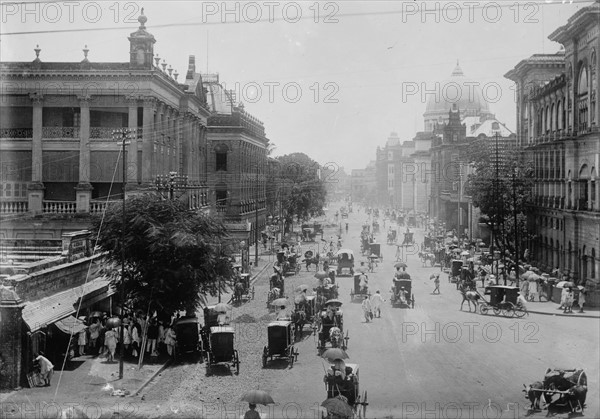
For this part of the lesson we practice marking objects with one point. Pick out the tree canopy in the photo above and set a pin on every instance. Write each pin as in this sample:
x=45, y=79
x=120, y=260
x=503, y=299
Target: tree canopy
x=501, y=189
x=173, y=256
x=307, y=195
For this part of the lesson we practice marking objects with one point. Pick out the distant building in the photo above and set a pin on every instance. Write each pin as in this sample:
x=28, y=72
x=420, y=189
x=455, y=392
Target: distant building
x=557, y=122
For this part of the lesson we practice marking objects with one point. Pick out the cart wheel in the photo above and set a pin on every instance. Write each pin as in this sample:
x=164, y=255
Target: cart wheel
x=237, y=362
x=497, y=311
x=484, y=309
x=520, y=312
x=508, y=310
x=291, y=356
x=364, y=405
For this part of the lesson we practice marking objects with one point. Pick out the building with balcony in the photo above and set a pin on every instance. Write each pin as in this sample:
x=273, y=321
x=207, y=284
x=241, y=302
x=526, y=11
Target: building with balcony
x=58, y=153
x=557, y=124
x=236, y=162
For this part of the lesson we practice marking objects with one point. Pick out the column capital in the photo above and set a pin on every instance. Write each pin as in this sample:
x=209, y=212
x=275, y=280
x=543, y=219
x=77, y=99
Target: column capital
x=36, y=98
x=150, y=102
x=84, y=100
x=132, y=100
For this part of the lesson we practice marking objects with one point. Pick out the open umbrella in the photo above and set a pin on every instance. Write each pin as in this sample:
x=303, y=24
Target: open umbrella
x=334, y=302
x=339, y=407
x=565, y=284
x=362, y=269
x=280, y=302
x=400, y=265
x=301, y=288
x=113, y=322
x=222, y=308
x=299, y=298
x=465, y=253
x=373, y=256
x=257, y=397
x=332, y=354
x=321, y=275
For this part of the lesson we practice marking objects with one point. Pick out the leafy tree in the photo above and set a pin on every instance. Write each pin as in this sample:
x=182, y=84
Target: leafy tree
x=501, y=190
x=173, y=256
x=307, y=195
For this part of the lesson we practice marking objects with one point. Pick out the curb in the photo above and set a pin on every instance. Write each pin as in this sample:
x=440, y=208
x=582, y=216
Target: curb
x=572, y=315
x=149, y=379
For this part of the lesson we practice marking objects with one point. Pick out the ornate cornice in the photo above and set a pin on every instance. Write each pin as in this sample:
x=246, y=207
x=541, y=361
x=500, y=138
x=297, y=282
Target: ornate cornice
x=36, y=98
x=84, y=100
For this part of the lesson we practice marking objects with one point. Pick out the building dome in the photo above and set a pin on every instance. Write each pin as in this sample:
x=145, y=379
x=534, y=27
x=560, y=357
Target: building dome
x=457, y=90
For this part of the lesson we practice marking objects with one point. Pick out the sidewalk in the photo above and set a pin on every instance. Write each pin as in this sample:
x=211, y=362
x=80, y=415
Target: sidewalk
x=88, y=383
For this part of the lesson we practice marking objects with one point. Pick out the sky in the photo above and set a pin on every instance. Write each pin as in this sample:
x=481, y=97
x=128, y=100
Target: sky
x=331, y=79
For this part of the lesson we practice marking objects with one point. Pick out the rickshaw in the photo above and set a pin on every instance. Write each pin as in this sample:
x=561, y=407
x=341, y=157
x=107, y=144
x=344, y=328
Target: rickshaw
x=280, y=343
x=345, y=261
x=375, y=249
x=337, y=340
x=503, y=300
x=188, y=337
x=346, y=385
x=402, y=295
x=454, y=275
x=392, y=237
x=242, y=289
x=221, y=349
x=357, y=291
x=569, y=384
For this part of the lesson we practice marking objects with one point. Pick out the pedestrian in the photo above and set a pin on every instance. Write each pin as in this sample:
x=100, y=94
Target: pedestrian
x=126, y=336
x=110, y=341
x=521, y=301
x=367, y=309
x=82, y=341
x=152, y=338
x=136, y=338
x=46, y=368
x=170, y=340
x=436, y=282
x=568, y=306
x=94, y=335
x=161, y=337
x=363, y=283
x=525, y=288
x=252, y=413
x=563, y=298
x=376, y=302
x=512, y=276
x=582, y=293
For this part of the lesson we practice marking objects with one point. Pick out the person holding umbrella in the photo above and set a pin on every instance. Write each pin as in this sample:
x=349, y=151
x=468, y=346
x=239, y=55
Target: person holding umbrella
x=254, y=397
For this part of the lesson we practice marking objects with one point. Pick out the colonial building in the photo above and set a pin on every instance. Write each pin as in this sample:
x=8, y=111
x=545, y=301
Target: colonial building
x=363, y=184
x=557, y=117
x=236, y=162
x=57, y=148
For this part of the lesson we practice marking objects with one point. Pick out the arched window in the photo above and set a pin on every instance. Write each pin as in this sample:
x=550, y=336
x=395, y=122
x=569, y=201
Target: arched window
x=552, y=118
x=582, y=86
x=547, y=125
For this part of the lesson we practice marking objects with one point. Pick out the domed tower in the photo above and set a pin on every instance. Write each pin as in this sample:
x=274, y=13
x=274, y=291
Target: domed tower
x=141, y=46
x=457, y=90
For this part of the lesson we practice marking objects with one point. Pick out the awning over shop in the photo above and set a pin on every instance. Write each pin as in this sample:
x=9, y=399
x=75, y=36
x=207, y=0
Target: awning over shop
x=45, y=311
x=70, y=325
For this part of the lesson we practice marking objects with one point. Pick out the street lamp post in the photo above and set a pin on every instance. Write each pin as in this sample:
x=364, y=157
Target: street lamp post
x=124, y=136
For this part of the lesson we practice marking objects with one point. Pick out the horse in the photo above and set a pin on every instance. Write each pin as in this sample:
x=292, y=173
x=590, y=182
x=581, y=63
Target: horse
x=315, y=260
x=469, y=297
x=276, y=281
x=238, y=291
x=272, y=295
x=299, y=320
x=425, y=256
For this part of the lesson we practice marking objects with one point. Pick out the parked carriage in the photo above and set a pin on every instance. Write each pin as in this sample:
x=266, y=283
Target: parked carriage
x=347, y=386
x=188, y=337
x=357, y=290
x=221, y=349
x=326, y=335
x=280, y=342
x=503, y=300
x=402, y=295
x=288, y=264
x=345, y=262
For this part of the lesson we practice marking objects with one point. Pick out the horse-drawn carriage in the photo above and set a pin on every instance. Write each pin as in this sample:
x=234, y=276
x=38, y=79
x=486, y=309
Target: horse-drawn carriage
x=361, y=287
x=569, y=384
x=343, y=380
x=310, y=258
x=276, y=286
x=503, y=300
x=402, y=295
x=392, y=237
x=331, y=327
x=345, y=262
x=454, y=275
x=288, y=264
x=242, y=289
x=408, y=239
x=375, y=250
x=327, y=291
x=221, y=349
x=280, y=342
x=188, y=337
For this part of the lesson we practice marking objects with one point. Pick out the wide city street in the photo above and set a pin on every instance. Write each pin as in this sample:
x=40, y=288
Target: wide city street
x=431, y=361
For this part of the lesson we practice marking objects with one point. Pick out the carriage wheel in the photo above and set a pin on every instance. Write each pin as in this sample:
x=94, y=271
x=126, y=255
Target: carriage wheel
x=413, y=301
x=484, y=309
x=520, y=312
x=497, y=310
x=236, y=359
x=508, y=310
x=364, y=405
x=582, y=380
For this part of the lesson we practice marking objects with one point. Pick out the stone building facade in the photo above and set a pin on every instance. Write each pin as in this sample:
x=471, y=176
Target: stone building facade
x=558, y=116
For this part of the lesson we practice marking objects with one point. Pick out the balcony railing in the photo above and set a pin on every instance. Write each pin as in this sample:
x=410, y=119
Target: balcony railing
x=60, y=132
x=16, y=132
x=59, y=207
x=103, y=132
x=15, y=207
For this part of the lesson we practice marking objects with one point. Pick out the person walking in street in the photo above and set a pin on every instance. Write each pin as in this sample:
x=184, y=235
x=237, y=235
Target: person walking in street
x=376, y=302
x=94, y=335
x=82, y=341
x=563, y=298
x=367, y=309
x=252, y=413
x=436, y=282
x=136, y=338
x=568, y=306
x=46, y=368
x=582, y=293
x=152, y=338
x=170, y=340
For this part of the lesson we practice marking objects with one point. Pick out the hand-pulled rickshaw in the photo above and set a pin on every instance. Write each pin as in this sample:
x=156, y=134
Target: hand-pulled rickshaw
x=280, y=342
x=345, y=262
x=402, y=295
x=569, y=384
x=242, y=289
x=221, y=349
x=361, y=286
x=288, y=264
x=343, y=380
x=375, y=250
x=332, y=329
x=503, y=300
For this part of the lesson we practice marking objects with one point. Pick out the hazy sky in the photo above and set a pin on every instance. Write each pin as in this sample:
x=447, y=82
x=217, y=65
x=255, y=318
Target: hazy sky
x=333, y=83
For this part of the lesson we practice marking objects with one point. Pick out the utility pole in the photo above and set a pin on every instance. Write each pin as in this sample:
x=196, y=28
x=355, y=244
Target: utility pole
x=256, y=218
x=514, y=189
x=122, y=135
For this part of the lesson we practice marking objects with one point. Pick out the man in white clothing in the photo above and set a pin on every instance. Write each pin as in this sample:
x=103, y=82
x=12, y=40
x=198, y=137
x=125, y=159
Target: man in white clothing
x=376, y=302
